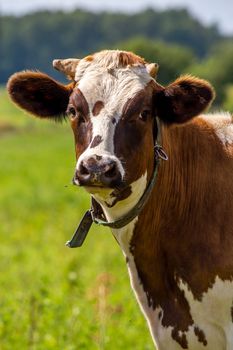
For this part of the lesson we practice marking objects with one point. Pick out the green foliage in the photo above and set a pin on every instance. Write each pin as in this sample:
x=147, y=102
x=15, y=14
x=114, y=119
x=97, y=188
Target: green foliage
x=173, y=59
x=217, y=68
x=228, y=103
x=33, y=41
x=52, y=297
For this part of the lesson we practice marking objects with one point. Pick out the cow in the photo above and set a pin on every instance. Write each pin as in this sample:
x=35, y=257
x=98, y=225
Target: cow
x=160, y=172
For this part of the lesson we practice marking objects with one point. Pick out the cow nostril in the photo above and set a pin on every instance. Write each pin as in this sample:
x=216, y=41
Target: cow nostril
x=112, y=170
x=102, y=172
x=83, y=170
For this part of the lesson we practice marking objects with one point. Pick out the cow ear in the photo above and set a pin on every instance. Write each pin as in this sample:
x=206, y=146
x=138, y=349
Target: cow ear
x=39, y=94
x=182, y=100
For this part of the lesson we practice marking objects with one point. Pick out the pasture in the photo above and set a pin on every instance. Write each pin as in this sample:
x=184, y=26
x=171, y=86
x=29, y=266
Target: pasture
x=52, y=297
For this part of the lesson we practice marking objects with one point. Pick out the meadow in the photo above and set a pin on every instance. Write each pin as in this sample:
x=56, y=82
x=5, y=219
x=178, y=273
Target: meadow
x=53, y=297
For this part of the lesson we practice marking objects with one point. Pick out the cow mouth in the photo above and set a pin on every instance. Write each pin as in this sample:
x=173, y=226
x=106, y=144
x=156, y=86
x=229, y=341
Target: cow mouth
x=110, y=194
x=118, y=187
x=95, y=183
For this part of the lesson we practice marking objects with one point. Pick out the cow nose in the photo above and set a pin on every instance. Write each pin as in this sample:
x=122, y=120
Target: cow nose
x=98, y=171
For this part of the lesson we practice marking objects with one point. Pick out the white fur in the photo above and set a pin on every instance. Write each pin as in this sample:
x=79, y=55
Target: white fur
x=213, y=315
x=121, y=207
x=222, y=123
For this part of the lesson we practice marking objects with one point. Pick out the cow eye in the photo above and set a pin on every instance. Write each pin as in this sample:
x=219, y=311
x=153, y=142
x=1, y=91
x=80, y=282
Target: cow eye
x=71, y=111
x=144, y=115
x=81, y=118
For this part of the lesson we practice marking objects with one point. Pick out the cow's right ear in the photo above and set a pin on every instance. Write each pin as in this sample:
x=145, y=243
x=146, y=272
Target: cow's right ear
x=39, y=94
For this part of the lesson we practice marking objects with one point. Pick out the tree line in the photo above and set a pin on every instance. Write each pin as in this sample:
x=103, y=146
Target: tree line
x=173, y=38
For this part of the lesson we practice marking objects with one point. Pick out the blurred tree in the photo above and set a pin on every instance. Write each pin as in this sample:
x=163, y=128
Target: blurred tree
x=228, y=102
x=217, y=68
x=33, y=40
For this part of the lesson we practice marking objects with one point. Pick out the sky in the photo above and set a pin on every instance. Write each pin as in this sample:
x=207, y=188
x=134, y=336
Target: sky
x=208, y=11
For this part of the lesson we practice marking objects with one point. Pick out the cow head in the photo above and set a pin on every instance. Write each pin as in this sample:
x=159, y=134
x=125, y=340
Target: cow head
x=111, y=103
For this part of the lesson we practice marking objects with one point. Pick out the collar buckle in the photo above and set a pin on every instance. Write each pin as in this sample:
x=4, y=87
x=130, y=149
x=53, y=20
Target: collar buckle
x=160, y=153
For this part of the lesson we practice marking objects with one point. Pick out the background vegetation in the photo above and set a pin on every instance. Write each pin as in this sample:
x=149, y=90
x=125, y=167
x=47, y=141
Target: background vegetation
x=173, y=38
x=52, y=297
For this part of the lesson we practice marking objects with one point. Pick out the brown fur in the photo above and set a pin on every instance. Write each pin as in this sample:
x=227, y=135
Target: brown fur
x=121, y=59
x=130, y=59
x=82, y=130
x=119, y=195
x=132, y=135
x=191, y=207
x=98, y=106
x=184, y=99
x=79, y=103
x=200, y=335
x=96, y=141
x=39, y=94
x=89, y=58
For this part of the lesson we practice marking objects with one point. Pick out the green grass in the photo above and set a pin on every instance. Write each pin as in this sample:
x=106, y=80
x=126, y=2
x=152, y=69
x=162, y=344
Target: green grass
x=52, y=297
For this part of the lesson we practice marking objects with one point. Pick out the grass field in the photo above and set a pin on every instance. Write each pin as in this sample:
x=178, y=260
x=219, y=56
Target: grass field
x=52, y=297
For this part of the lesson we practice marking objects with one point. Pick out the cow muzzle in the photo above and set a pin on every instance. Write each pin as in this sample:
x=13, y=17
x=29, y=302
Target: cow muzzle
x=101, y=171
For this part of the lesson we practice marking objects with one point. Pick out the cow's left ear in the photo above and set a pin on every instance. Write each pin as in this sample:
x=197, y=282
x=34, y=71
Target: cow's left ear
x=39, y=94
x=182, y=100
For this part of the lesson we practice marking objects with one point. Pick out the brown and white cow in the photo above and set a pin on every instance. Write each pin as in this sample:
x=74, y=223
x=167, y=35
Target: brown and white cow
x=179, y=249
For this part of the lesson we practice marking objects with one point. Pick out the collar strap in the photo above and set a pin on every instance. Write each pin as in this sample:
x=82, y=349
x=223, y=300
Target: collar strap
x=90, y=216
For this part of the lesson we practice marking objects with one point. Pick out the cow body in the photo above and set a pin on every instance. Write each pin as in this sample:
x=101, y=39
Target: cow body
x=178, y=250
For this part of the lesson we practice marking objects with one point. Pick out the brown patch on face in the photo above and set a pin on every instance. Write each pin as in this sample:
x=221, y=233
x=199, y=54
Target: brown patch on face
x=79, y=102
x=129, y=59
x=96, y=141
x=89, y=58
x=113, y=59
x=133, y=139
x=119, y=195
x=99, y=105
x=185, y=230
x=200, y=336
x=81, y=124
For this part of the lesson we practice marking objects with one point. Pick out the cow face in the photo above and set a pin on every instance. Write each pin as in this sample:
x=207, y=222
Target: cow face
x=111, y=115
x=112, y=107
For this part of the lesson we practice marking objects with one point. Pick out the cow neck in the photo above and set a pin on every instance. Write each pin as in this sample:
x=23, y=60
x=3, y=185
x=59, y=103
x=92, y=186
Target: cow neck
x=95, y=214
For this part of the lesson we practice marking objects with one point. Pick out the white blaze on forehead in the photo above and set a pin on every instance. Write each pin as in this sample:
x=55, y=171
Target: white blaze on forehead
x=112, y=88
x=104, y=78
